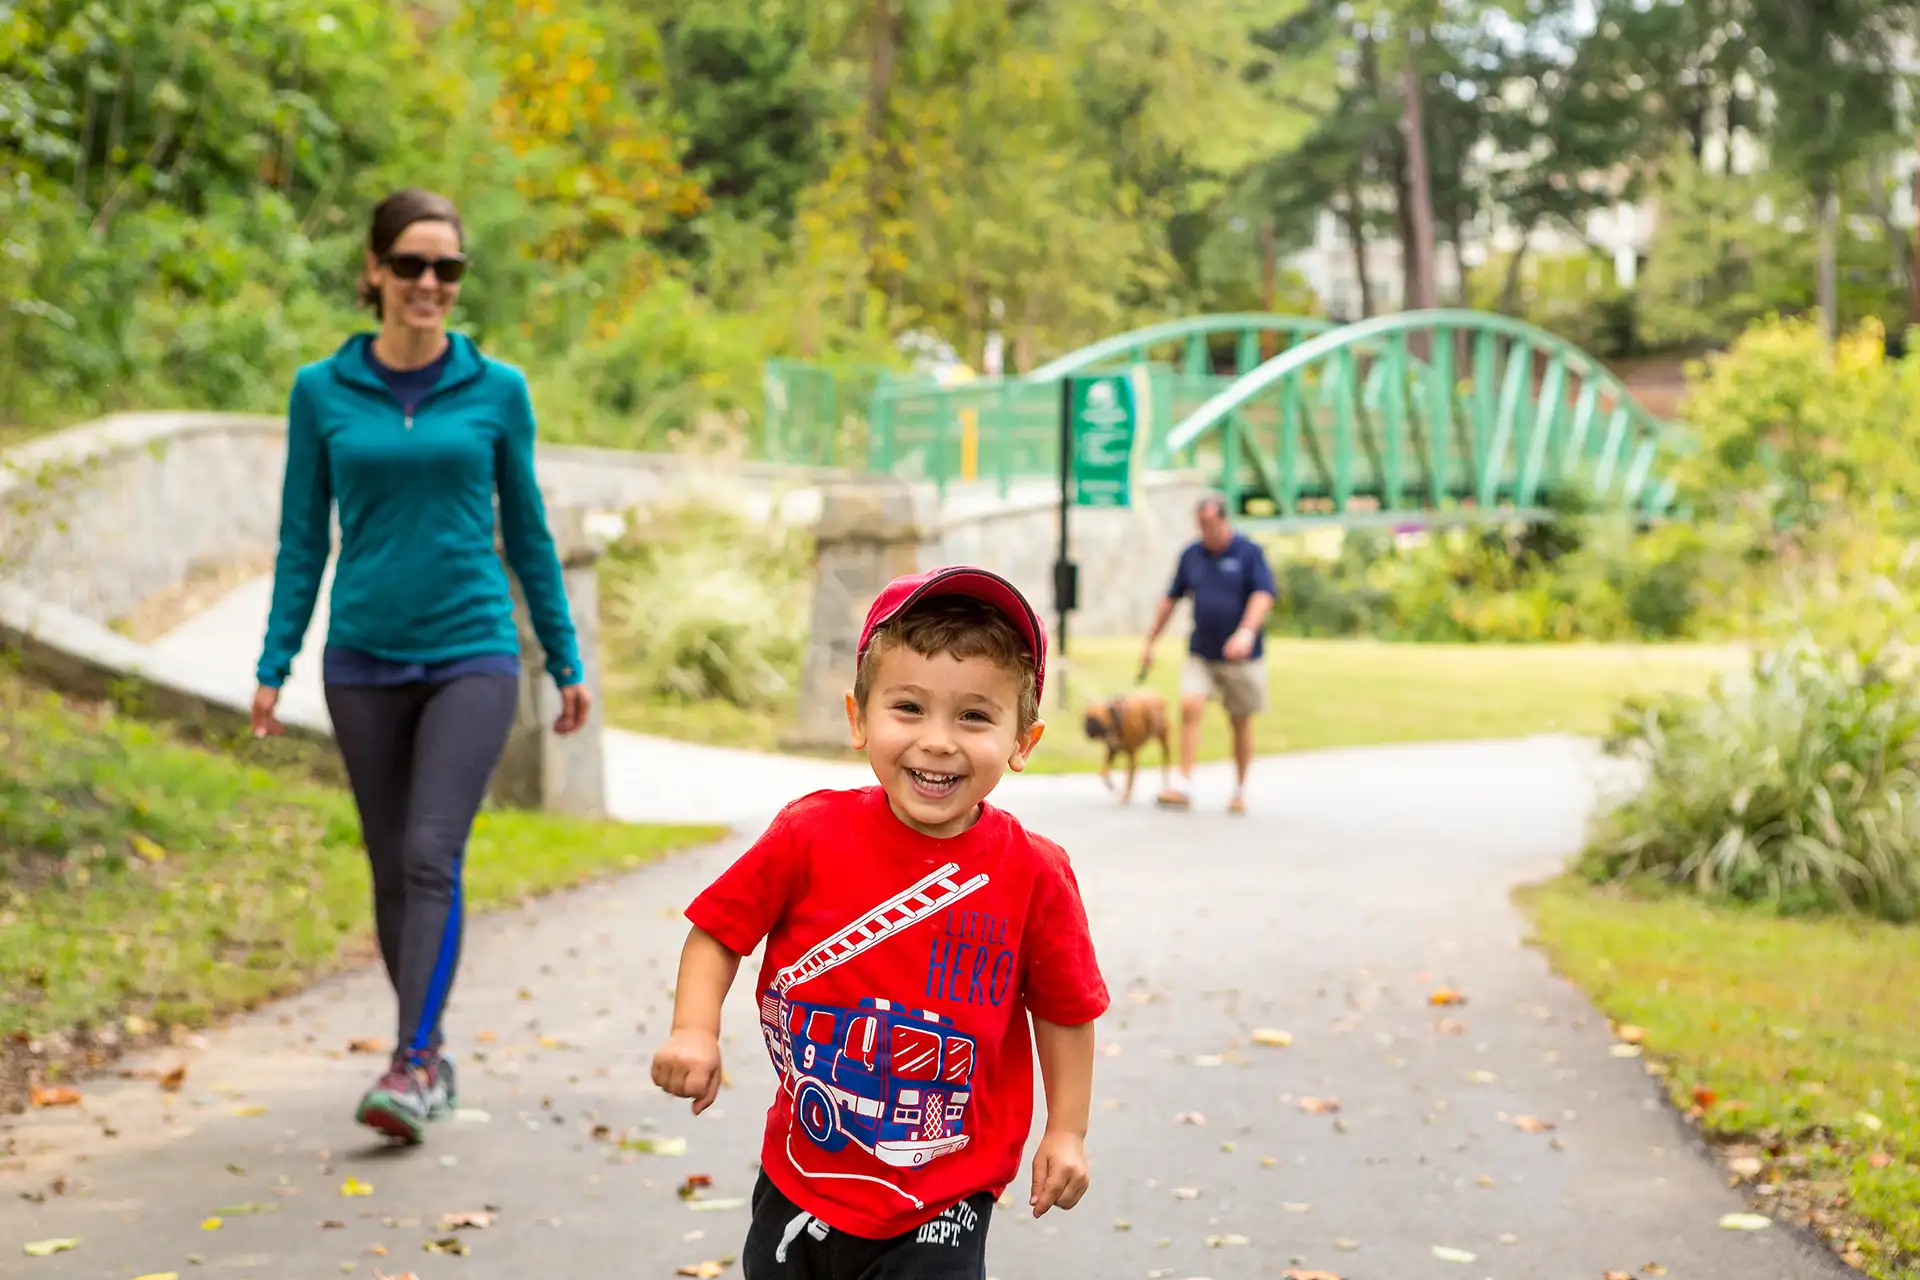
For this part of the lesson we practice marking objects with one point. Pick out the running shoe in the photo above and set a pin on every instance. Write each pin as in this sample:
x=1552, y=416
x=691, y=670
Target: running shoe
x=397, y=1103
x=442, y=1088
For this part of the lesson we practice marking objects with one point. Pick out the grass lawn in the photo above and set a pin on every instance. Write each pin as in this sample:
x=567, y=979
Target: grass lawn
x=144, y=881
x=1797, y=1041
x=1324, y=693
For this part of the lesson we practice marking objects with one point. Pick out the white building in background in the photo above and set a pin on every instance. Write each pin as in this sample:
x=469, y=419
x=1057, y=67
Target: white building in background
x=1622, y=231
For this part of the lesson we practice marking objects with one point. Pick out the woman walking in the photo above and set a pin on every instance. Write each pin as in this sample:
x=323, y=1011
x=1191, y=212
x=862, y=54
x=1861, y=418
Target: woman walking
x=411, y=434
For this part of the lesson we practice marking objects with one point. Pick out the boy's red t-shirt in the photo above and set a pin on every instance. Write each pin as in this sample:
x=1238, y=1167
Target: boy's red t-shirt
x=894, y=992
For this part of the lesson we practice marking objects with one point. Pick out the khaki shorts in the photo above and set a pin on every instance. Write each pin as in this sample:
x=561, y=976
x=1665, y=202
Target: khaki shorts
x=1242, y=686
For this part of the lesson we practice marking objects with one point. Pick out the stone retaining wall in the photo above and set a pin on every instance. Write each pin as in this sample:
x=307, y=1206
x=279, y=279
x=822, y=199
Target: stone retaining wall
x=96, y=520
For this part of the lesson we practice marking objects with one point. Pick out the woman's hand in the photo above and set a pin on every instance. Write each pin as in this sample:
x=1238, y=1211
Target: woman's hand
x=265, y=699
x=575, y=702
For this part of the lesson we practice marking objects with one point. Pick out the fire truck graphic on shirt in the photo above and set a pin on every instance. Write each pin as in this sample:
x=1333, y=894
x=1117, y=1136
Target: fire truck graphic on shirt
x=895, y=1081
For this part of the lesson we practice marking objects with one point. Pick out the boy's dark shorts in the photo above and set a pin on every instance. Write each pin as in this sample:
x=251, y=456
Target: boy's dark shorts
x=782, y=1244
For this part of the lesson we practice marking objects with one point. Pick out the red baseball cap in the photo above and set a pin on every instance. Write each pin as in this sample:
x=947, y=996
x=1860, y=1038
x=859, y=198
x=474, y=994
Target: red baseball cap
x=961, y=580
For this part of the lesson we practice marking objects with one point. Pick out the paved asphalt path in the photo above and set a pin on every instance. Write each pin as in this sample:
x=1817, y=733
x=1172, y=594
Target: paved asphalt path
x=1361, y=881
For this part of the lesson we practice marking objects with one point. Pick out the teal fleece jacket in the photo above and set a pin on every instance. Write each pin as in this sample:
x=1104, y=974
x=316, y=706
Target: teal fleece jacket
x=418, y=579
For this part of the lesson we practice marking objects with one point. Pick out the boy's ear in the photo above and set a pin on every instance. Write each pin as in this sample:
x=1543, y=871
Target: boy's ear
x=1024, y=744
x=856, y=724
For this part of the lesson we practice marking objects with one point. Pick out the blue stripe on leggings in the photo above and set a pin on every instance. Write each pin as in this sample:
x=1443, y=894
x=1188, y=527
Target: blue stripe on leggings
x=443, y=963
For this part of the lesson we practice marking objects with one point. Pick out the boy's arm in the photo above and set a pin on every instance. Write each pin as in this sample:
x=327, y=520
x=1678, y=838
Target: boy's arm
x=688, y=1064
x=1066, y=1072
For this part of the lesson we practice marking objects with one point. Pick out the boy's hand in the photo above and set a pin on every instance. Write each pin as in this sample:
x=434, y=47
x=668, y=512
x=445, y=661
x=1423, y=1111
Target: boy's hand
x=1059, y=1172
x=688, y=1066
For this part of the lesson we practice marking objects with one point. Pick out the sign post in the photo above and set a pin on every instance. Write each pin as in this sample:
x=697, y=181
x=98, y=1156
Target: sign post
x=1100, y=439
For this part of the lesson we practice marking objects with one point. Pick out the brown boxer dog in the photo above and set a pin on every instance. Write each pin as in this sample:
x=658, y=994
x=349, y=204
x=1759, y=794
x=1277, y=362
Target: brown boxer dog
x=1126, y=724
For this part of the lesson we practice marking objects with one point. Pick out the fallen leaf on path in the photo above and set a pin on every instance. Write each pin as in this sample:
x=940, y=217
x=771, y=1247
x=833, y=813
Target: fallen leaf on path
x=173, y=1079
x=58, y=1096
x=332, y=1224
x=449, y=1244
x=1121, y=1224
x=1319, y=1106
x=1628, y=1032
x=1624, y=1050
x=717, y=1206
x=1222, y=1242
x=1268, y=1162
x=1272, y=1037
x=1482, y=1077
x=378, y=1274
x=47, y=1248
x=1507, y=1237
x=1654, y=1269
x=656, y=1146
x=252, y=1110
x=1531, y=1124
x=1208, y=1059
x=1447, y=1254
x=1186, y=1193
x=693, y=1183
x=363, y=1045
x=705, y=1270
x=461, y=1221
x=1190, y=1117
x=1448, y=1027
x=1745, y=1222
x=212, y=1224
x=1345, y=1245
x=1446, y=996
x=159, y=1275
x=1300, y=1273
x=1295, y=1206
x=354, y=1187
x=1616, y=1275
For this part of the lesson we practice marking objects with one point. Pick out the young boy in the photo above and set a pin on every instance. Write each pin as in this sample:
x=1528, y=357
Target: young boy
x=911, y=930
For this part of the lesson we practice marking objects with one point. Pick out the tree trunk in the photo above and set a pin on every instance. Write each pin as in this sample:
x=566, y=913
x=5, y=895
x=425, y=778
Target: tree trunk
x=1510, y=287
x=1269, y=284
x=1913, y=258
x=1456, y=236
x=883, y=38
x=1356, y=223
x=1420, y=275
x=1828, y=214
x=1395, y=148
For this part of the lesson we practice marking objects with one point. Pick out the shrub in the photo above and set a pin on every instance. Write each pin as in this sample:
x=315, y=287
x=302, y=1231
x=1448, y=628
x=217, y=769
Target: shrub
x=1797, y=785
x=700, y=603
x=1578, y=578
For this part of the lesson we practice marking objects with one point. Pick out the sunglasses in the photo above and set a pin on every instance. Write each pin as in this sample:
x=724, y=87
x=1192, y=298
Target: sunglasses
x=411, y=266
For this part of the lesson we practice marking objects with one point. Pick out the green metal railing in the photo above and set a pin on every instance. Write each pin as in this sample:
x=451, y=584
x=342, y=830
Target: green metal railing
x=1356, y=419
x=817, y=416
x=1193, y=334
x=1416, y=412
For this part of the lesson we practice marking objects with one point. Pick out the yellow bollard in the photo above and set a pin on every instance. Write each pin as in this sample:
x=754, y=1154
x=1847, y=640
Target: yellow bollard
x=969, y=444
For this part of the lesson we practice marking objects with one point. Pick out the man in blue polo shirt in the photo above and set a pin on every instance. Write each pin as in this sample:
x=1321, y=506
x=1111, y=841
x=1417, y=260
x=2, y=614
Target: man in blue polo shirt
x=1232, y=588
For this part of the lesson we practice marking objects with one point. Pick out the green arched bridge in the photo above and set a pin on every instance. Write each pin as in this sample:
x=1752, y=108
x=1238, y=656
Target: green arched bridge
x=1298, y=420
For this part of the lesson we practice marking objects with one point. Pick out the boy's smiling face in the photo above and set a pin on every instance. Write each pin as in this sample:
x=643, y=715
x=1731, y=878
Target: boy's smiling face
x=940, y=732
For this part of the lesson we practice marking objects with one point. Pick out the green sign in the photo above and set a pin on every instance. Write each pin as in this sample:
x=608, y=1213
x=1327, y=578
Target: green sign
x=1107, y=410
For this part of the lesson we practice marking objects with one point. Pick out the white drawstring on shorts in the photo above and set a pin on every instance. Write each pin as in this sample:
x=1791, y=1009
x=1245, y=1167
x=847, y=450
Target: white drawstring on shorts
x=802, y=1221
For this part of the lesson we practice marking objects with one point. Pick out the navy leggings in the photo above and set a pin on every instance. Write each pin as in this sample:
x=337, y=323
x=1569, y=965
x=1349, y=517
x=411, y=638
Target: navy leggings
x=419, y=757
